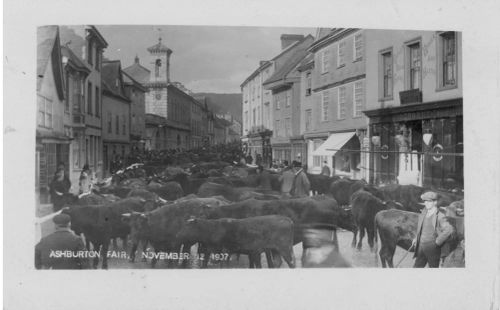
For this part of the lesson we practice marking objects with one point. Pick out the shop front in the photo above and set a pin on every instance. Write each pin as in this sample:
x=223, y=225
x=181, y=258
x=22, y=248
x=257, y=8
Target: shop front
x=341, y=152
x=420, y=144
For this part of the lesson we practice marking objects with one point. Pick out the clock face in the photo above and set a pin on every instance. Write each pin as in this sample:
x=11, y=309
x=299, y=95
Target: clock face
x=158, y=96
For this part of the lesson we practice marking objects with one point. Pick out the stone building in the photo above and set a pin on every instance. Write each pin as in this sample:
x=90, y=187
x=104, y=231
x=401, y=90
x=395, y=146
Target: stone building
x=116, y=107
x=163, y=99
x=53, y=130
x=414, y=105
x=87, y=44
x=287, y=142
x=136, y=93
x=334, y=124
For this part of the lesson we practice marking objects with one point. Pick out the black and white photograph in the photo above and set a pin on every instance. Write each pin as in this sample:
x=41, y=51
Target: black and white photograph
x=273, y=153
x=340, y=148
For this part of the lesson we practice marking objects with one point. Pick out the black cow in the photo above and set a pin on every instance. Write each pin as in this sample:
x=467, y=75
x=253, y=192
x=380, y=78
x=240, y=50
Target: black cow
x=343, y=189
x=364, y=207
x=233, y=193
x=101, y=223
x=395, y=228
x=160, y=227
x=250, y=236
x=320, y=184
x=168, y=191
x=302, y=211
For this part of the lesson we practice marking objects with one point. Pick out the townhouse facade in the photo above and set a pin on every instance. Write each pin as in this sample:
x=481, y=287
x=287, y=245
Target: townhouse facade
x=116, y=111
x=137, y=95
x=285, y=84
x=88, y=45
x=53, y=132
x=414, y=106
x=257, y=112
x=334, y=101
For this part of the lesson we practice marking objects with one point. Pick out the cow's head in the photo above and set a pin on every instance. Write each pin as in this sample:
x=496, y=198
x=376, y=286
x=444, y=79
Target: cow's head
x=138, y=222
x=190, y=231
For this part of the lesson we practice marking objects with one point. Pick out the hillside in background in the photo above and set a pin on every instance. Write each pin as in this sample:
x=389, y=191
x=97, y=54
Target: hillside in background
x=224, y=103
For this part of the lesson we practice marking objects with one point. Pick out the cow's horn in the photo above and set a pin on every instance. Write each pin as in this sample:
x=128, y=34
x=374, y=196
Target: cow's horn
x=126, y=214
x=161, y=200
x=143, y=215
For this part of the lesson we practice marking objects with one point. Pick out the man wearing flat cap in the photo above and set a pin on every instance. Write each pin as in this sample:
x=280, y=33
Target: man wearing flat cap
x=432, y=232
x=61, y=249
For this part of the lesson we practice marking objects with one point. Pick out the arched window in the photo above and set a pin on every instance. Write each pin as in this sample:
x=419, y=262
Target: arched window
x=157, y=67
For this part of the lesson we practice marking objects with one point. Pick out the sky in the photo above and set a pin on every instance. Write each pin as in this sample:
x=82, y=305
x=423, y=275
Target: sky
x=205, y=58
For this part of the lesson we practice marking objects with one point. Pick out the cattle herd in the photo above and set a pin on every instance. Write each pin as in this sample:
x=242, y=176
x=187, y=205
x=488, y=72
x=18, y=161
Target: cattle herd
x=215, y=211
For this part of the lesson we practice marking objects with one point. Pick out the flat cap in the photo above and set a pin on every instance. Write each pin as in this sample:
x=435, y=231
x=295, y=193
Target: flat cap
x=61, y=219
x=429, y=196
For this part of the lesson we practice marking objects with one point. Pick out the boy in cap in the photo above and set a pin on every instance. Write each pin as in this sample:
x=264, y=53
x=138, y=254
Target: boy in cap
x=61, y=249
x=432, y=231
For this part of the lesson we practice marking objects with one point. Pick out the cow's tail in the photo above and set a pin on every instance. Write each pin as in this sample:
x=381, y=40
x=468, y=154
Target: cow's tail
x=375, y=239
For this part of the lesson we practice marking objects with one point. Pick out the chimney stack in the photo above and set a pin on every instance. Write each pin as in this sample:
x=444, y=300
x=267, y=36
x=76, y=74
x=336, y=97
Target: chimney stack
x=289, y=39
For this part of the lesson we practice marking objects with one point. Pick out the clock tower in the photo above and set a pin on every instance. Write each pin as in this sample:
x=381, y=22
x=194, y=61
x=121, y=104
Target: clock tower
x=159, y=78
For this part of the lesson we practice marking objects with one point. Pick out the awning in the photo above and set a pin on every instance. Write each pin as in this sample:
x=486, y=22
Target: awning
x=334, y=142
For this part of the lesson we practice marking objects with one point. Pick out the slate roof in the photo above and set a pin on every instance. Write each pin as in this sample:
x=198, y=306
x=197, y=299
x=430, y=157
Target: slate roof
x=48, y=47
x=111, y=72
x=138, y=73
x=74, y=59
x=127, y=79
x=300, y=51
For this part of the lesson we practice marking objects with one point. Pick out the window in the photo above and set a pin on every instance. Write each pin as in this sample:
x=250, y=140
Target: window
x=341, y=54
x=98, y=59
x=288, y=98
x=341, y=113
x=387, y=74
x=325, y=64
x=124, y=125
x=358, y=47
x=415, y=65
x=90, y=52
x=89, y=98
x=157, y=67
x=44, y=112
x=277, y=128
x=110, y=125
x=358, y=105
x=97, y=103
x=246, y=119
x=288, y=127
x=278, y=104
x=253, y=119
x=308, y=120
x=325, y=98
x=449, y=59
x=258, y=115
x=308, y=83
x=117, y=124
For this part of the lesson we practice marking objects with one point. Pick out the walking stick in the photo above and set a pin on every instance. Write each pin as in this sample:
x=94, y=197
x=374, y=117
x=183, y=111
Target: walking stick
x=406, y=254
